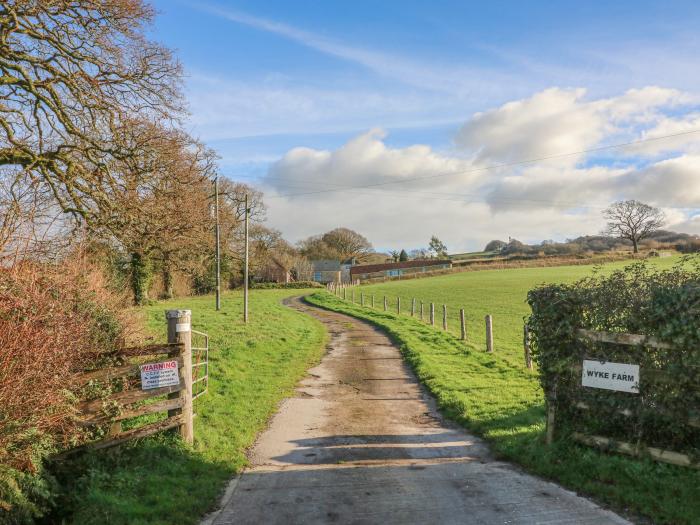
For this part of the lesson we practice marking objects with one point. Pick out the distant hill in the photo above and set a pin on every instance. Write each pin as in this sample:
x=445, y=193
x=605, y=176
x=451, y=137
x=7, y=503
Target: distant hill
x=587, y=244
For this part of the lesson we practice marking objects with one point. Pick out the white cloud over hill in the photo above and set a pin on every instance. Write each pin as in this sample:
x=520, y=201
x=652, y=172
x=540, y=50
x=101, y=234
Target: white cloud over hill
x=396, y=195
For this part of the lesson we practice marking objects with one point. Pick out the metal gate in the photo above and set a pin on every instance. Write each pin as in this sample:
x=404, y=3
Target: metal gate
x=200, y=364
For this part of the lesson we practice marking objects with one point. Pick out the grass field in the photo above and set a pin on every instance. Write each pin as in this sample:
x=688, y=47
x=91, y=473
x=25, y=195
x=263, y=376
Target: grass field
x=501, y=293
x=497, y=397
x=161, y=481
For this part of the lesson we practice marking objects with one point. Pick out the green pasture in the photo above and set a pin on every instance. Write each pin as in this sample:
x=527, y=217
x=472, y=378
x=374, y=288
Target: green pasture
x=159, y=480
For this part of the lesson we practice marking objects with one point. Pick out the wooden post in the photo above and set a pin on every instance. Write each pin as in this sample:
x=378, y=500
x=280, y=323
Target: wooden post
x=421, y=310
x=362, y=299
x=180, y=331
x=413, y=307
x=526, y=346
x=246, y=262
x=444, y=317
x=489, y=334
x=432, y=314
x=551, y=412
x=345, y=293
x=463, y=322
x=398, y=305
x=372, y=301
x=385, y=304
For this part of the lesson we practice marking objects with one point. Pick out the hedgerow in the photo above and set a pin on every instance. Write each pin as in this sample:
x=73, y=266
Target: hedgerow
x=639, y=300
x=287, y=286
x=54, y=320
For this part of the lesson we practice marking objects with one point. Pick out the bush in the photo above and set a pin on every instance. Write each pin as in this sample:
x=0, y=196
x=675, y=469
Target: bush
x=54, y=320
x=637, y=300
x=293, y=285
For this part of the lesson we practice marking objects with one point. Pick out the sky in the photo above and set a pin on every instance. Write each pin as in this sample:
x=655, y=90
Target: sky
x=471, y=120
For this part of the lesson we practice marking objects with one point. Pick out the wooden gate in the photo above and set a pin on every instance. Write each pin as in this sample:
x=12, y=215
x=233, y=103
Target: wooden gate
x=153, y=380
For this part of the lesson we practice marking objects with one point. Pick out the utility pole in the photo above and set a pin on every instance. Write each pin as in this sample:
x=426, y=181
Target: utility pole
x=218, y=243
x=245, y=269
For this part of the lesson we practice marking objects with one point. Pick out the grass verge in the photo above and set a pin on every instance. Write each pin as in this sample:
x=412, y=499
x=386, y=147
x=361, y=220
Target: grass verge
x=503, y=402
x=159, y=480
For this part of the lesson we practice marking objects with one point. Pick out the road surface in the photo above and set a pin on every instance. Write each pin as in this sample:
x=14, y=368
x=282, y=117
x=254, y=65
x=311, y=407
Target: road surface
x=361, y=442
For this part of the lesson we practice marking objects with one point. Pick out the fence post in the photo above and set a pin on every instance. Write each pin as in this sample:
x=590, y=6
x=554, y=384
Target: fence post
x=489, y=334
x=372, y=301
x=432, y=314
x=463, y=322
x=180, y=331
x=362, y=299
x=345, y=293
x=526, y=346
x=352, y=295
x=421, y=310
x=444, y=317
x=413, y=307
x=551, y=398
x=398, y=305
x=385, y=303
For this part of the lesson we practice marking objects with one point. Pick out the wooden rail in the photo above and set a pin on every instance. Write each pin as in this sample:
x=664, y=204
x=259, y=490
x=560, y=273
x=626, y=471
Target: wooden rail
x=654, y=375
x=176, y=399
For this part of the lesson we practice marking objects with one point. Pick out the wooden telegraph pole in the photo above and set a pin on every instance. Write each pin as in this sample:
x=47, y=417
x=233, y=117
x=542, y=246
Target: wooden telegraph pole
x=218, y=243
x=245, y=269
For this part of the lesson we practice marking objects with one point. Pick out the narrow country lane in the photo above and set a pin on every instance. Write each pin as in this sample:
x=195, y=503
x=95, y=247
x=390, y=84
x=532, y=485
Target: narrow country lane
x=361, y=442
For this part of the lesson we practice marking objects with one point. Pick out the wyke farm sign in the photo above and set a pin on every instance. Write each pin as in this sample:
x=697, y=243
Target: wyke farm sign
x=611, y=376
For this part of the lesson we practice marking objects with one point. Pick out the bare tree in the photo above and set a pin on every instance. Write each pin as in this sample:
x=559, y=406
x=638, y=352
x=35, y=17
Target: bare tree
x=72, y=75
x=632, y=220
x=437, y=247
x=341, y=244
x=159, y=216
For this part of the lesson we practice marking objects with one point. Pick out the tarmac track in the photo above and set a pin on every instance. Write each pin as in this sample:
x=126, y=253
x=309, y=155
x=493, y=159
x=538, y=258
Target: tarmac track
x=361, y=442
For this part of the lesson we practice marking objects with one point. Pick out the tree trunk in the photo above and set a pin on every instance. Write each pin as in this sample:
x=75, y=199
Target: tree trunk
x=167, y=282
x=635, y=244
x=140, y=277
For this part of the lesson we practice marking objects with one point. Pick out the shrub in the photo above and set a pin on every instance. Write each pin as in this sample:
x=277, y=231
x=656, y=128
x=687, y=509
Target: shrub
x=54, y=320
x=638, y=300
x=293, y=285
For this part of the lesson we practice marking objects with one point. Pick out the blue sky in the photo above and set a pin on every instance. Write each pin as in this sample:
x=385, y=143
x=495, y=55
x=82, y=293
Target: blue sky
x=288, y=93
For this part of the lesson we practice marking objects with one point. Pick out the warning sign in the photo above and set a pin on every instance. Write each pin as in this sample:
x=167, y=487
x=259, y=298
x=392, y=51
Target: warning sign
x=156, y=375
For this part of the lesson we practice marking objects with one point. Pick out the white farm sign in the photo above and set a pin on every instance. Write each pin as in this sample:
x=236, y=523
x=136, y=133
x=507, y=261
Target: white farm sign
x=156, y=375
x=611, y=376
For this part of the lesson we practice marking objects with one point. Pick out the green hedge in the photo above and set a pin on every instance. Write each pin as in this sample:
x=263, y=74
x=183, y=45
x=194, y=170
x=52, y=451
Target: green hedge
x=639, y=300
x=287, y=286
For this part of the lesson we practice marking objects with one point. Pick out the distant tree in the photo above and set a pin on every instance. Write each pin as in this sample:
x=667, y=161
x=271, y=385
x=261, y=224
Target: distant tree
x=341, y=244
x=403, y=256
x=495, y=246
x=395, y=255
x=437, y=247
x=419, y=253
x=515, y=247
x=633, y=220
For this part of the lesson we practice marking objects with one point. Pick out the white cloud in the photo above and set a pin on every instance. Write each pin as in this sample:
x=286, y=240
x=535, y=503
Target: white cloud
x=549, y=199
x=550, y=122
x=365, y=160
x=671, y=182
x=556, y=121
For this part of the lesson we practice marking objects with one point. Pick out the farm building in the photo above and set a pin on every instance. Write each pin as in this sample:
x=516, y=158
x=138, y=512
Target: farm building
x=274, y=271
x=327, y=271
x=397, y=269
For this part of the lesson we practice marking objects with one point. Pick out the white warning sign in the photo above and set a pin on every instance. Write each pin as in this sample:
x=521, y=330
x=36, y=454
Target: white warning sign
x=156, y=375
